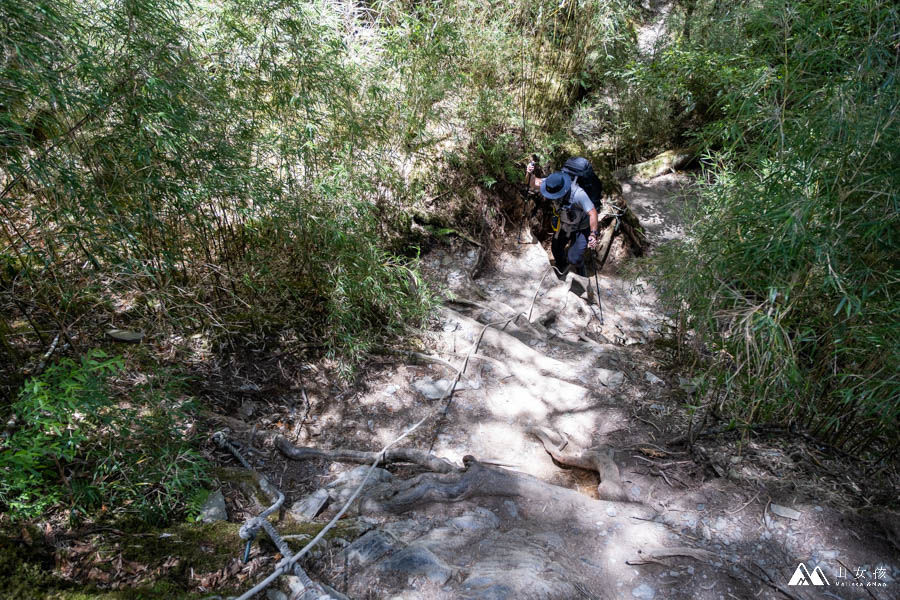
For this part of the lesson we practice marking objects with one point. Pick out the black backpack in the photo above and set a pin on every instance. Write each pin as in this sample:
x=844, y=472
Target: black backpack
x=580, y=168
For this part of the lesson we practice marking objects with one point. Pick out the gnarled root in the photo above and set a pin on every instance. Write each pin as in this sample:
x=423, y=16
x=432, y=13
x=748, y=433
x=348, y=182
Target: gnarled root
x=452, y=484
x=592, y=459
x=480, y=480
x=394, y=455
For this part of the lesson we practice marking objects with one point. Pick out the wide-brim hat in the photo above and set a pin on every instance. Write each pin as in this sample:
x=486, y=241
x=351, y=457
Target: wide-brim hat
x=556, y=185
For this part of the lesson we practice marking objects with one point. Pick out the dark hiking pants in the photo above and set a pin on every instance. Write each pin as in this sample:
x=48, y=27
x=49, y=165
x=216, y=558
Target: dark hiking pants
x=576, y=243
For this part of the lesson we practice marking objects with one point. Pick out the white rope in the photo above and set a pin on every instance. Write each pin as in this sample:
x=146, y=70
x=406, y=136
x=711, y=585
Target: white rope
x=286, y=563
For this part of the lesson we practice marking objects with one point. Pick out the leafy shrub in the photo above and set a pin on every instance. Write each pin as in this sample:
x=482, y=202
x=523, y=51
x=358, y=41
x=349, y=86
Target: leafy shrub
x=78, y=446
x=789, y=275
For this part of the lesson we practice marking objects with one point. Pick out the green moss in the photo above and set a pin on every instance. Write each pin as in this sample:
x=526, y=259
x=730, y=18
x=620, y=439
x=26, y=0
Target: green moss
x=203, y=547
x=28, y=572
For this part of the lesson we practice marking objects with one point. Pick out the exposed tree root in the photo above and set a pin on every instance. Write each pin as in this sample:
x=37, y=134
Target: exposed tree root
x=656, y=555
x=394, y=455
x=447, y=483
x=479, y=480
x=592, y=459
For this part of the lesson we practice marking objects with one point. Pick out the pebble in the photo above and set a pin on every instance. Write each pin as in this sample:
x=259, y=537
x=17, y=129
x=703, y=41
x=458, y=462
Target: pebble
x=369, y=548
x=616, y=379
x=473, y=522
x=701, y=506
x=511, y=508
x=214, y=508
x=653, y=379
x=644, y=592
x=611, y=511
x=307, y=508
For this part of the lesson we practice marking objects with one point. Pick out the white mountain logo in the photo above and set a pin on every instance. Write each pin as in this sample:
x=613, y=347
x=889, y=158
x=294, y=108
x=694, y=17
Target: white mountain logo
x=802, y=576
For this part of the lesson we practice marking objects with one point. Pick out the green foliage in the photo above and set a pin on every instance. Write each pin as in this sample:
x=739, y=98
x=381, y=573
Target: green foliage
x=790, y=272
x=252, y=165
x=78, y=447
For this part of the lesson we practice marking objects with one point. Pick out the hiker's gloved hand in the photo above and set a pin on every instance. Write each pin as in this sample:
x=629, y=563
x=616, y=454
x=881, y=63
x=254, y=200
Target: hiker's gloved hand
x=592, y=241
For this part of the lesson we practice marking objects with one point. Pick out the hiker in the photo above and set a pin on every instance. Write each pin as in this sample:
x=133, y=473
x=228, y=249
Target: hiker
x=577, y=218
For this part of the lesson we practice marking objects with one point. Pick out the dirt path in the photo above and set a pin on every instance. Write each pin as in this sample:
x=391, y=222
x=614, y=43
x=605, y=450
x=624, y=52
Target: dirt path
x=597, y=374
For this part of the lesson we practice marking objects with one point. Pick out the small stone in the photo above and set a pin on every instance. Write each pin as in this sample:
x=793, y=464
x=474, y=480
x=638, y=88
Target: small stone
x=390, y=390
x=690, y=570
x=434, y=390
x=644, y=592
x=701, y=506
x=122, y=335
x=784, y=511
x=611, y=511
x=615, y=379
x=687, y=385
x=247, y=409
x=653, y=379
x=475, y=522
x=369, y=548
x=306, y=509
x=818, y=508
x=511, y=508
x=214, y=508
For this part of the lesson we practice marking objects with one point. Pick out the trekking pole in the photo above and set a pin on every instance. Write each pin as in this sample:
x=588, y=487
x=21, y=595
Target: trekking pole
x=529, y=178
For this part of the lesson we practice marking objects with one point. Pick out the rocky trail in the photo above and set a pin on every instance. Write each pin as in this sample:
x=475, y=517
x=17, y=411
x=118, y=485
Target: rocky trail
x=548, y=472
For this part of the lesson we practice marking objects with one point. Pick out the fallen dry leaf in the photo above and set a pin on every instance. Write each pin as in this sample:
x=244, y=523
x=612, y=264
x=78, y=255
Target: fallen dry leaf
x=652, y=453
